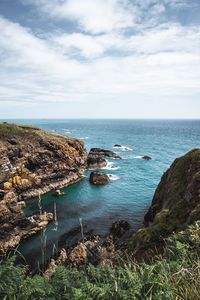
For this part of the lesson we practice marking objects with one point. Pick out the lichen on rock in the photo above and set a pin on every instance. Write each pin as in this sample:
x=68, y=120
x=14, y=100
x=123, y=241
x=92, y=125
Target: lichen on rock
x=33, y=162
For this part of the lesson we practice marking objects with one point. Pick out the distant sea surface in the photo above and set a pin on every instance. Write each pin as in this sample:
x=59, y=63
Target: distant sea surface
x=130, y=193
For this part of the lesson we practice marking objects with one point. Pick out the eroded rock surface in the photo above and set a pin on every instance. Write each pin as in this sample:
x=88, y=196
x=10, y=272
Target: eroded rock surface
x=32, y=162
x=97, y=157
x=99, y=178
x=93, y=250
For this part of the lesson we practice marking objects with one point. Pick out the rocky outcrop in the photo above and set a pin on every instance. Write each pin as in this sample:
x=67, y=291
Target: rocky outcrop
x=21, y=227
x=103, y=153
x=99, y=178
x=175, y=204
x=33, y=162
x=94, y=250
x=96, y=158
x=119, y=228
x=96, y=162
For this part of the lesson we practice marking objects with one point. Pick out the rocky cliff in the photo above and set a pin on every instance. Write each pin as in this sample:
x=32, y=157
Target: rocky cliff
x=175, y=204
x=32, y=162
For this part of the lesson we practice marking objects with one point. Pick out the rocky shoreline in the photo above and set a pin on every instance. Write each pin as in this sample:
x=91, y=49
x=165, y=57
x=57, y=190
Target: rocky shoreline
x=34, y=162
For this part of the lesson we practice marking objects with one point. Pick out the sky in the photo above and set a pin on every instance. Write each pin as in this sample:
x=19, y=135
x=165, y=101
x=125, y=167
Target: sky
x=100, y=59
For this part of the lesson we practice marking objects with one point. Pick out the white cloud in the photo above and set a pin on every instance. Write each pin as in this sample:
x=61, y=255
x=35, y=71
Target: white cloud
x=161, y=62
x=94, y=16
x=165, y=38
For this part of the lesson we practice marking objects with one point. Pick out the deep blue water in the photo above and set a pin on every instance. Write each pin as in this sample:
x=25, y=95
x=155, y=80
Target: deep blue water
x=126, y=198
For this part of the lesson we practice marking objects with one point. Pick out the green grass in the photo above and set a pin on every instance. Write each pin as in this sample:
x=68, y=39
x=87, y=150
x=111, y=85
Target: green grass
x=173, y=276
x=8, y=130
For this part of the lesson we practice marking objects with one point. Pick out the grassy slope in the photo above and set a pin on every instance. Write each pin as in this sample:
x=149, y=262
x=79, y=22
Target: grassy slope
x=172, y=276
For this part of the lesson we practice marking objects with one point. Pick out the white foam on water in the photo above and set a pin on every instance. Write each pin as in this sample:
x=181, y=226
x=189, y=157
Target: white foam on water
x=68, y=131
x=110, y=166
x=138, y=157
x=84, y=138
x=113, y=177
x=123, y=148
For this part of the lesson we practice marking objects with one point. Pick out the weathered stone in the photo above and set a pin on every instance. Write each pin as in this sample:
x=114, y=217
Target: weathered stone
x=119, y=228
x=99, y=178
x=33, y=162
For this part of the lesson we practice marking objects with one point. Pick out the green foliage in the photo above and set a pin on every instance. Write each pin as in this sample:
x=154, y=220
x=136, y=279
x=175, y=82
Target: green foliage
x=174, y=275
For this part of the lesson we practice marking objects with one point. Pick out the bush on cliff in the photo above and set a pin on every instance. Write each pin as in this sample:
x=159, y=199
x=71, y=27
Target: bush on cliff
x=174, y=275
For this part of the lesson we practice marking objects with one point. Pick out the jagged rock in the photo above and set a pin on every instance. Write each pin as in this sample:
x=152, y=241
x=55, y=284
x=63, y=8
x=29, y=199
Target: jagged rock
x=91, y=251
x=103, y=153
x=33, y=162
x=119, y=228
x=96, y=162
x=99, y=178
x=16, y=233
x=12, y=141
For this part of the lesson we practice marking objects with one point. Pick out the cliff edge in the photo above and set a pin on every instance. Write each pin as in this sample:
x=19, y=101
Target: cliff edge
x=176, y=203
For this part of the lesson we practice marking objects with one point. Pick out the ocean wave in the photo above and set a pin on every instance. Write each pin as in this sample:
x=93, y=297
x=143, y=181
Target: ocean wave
x=84, y=138
x=68, y=131
x=123, y=148
x=138, y=157
x=113, y=177
x=110, y=166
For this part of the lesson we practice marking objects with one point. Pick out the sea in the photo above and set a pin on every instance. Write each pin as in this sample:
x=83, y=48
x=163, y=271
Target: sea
x=132, y=186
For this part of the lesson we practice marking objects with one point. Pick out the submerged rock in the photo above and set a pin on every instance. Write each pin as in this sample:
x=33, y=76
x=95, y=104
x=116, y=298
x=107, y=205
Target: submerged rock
x=99, y=178
x=146, y=157
x=58, y=193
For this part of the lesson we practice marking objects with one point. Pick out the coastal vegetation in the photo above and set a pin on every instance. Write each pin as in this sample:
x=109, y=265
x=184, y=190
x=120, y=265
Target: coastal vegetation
x=174, y=275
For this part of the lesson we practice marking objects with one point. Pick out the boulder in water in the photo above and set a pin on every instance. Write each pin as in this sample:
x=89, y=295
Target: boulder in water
x=99, y=178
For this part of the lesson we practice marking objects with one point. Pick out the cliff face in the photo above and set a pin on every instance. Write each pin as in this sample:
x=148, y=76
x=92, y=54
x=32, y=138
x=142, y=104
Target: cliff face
x=176, y=203
x=32, y=162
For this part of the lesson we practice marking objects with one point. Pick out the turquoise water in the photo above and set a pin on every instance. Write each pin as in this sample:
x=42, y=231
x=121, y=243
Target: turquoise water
x=129, y=196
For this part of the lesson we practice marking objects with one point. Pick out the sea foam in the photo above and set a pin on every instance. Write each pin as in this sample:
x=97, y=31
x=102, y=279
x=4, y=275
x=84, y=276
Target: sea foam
x=113, y=177
x=123, y=148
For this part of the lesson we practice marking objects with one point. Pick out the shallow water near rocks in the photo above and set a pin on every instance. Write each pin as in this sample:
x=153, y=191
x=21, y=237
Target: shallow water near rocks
x=129, y=194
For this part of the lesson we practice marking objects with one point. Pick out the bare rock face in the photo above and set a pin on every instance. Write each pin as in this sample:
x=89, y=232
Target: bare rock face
x=99, y=178
x=176, y=203
x=12, y=234
x=32, y=162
